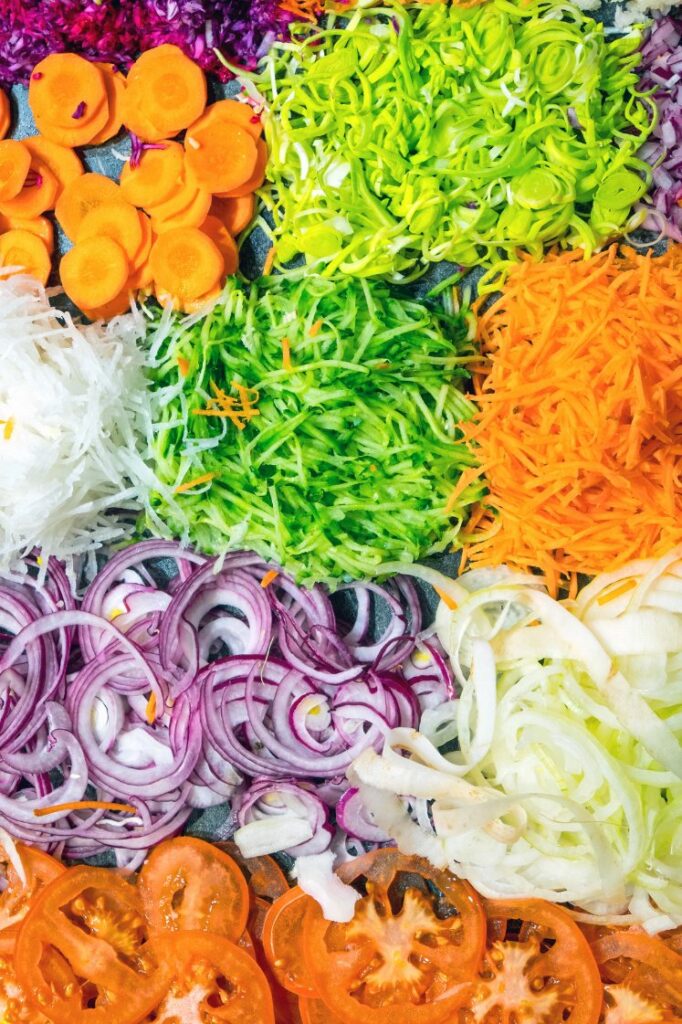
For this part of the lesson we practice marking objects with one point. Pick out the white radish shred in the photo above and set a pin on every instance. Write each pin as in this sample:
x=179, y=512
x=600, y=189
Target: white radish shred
x=315, y=876
x=74, y=417
x=565, y=778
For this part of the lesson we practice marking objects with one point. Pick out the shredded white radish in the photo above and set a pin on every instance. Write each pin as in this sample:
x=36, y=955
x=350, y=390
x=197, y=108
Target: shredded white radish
x=315, y=875
x=73, y=422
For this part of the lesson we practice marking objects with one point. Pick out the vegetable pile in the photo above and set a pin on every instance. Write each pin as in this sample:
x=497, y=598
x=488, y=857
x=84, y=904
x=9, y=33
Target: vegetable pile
x=558, y=771
x=660, y=71
x=123, y=712
x=118, y=30
x=316, y=421
x=200, y=936
x=580, y=411
x=73, y=413
x=441, y=133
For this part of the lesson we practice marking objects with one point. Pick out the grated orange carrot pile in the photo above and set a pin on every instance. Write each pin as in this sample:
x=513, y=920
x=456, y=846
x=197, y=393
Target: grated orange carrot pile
x=579, y=429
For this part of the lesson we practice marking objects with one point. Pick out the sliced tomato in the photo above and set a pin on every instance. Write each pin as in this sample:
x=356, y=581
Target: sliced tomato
x=84, y=953
x=538, y=968
x=14, y=1006
x=283, y=942
x=18, y=895
x=212, y=981
x=264, y=875
x=189, y=885
x=643, y=964
x=623, y=1005
x=314, y=1011
x=411, y=951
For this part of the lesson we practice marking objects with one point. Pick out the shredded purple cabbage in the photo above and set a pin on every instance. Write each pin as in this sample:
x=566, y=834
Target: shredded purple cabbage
x=116, y=31
x=661, y=71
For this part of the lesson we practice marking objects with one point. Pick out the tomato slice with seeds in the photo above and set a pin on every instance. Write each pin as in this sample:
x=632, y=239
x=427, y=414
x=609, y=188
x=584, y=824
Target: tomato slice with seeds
x=264, y=875
x=84, y=952
x=212, y=982
x=623, y=1005
x=645, y=965
x=283, y=942
x=14, y=1006
x=17, y=896
x=538, y=968
x=411, y=951
x=189, y=885
x=314, y=1011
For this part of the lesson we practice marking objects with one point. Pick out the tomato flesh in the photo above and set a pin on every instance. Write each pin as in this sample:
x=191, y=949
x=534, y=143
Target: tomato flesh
x=189, y=885
x=623, y=1005
x=84, y=952
x=643, y=966
x=283, y=942
x=17, y=897
x=264, y=875
x=14, y=1007
x=213, y=981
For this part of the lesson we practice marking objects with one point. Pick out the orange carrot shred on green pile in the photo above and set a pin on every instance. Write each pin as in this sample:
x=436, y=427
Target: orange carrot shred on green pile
x=579, y=429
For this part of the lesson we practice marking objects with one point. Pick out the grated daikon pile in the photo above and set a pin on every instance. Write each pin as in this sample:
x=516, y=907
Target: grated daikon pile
x=73, y=422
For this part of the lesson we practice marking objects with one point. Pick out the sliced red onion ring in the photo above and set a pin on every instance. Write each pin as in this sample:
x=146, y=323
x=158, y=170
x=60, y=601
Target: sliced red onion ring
x=277, y=804
x=352, y=816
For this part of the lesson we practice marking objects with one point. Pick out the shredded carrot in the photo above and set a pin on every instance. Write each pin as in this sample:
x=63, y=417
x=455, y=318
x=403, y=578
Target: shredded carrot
x=448, y=601
x=315, y=328
x=303, y=10
x=239, y=410
x=269, y=260
x=617, y=591
x=183, y=366
x=579, y=423
x=150, y=710
x=9, y=428
x=85, y=805
x=270, y=575
x=189, y=484
x=286, y=354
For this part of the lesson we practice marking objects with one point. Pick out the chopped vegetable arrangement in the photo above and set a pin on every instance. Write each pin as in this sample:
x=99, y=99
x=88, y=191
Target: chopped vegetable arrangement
x=222, y=514
x=443, y=133
x=299, y=405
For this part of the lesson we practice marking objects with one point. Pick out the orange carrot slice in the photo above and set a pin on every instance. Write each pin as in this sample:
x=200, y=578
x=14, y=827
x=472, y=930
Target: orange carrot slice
x=115, y=307
x=141, y=277
x=27, y=252
x=218, y=233
x=115, y=85
x=79, y=133
x=142, y=252
x=62, y=161
x=256, y=179
x=5, y=114
x=233, y=111
x=15, y=161
x=82, y=195
x=65, y=88
x=191, y=216
x=189, y=306
x=118, y=220
x=157, y=176
x=221, y=156
x=166, y=93
x=236, y=214
x=40, y=226
x=185, y=262
x=94, y=272
x=38, y=194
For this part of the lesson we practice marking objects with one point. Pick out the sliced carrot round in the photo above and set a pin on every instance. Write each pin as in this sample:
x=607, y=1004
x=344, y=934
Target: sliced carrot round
x=65, y=88
x=61, y=160
x=27, y=252
x=142, y=252
x=191, y=216
x=157, y=176
x=141, y=277
x=115, y=85
x=256, y=179
x=235, y=214
x=79, y=133
x=231, y=110
x=82, y=195
x=218, y=233
x=167, y=90
x=221, y=156
x=15, y=161
x=115, y=307
x=118, y=220
x=186, y=263
x=188, y=305
x=38, y=194
x=5, y=114
x=94, y=272
x=40, y=226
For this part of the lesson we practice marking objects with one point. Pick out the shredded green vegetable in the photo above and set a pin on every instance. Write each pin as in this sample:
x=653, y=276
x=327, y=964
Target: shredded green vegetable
x=345, y=449
x=413, y=135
